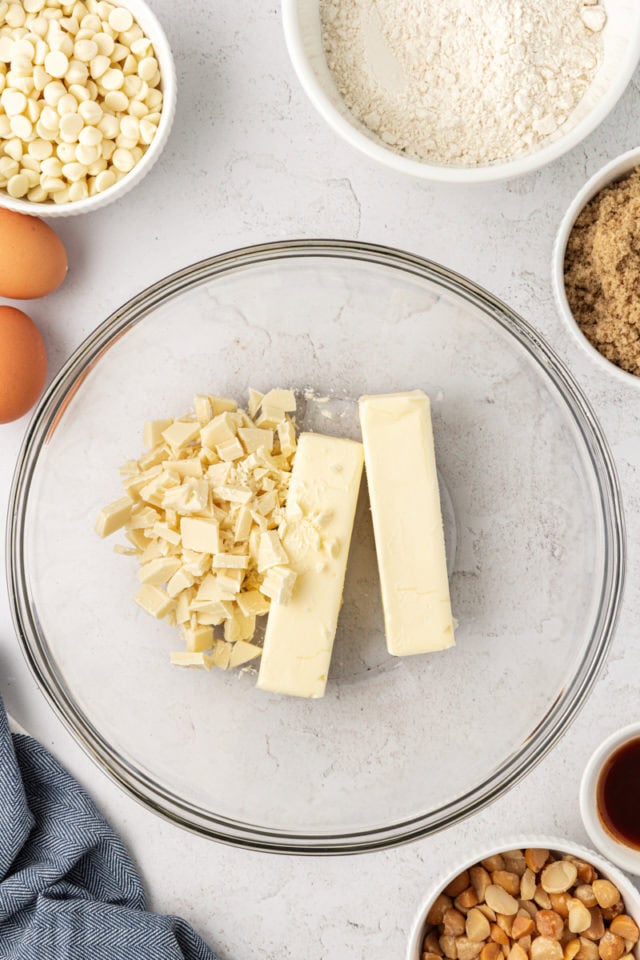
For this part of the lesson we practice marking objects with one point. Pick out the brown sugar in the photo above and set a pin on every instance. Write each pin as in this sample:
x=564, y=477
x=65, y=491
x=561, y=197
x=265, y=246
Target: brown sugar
x=602, y=272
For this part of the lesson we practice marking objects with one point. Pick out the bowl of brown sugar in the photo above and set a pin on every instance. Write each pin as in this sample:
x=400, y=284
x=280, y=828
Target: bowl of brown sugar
x=596, y=267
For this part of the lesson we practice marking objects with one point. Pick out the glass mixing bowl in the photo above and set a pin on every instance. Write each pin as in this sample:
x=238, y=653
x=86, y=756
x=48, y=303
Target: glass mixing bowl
x=398, y=748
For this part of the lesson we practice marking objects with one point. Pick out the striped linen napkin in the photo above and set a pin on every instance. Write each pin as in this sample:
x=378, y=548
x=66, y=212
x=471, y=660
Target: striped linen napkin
x=68, y=888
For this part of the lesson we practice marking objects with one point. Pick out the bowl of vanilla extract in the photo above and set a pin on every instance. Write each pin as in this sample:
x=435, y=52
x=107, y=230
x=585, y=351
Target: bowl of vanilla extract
x=610, y=798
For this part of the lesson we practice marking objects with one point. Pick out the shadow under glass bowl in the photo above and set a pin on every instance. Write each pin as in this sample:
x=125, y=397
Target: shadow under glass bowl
x=398, y=748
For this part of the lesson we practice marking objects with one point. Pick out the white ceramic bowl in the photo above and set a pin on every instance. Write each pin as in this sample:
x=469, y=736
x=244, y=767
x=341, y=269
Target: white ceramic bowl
x=153, y=29
x=624, y=856
x=630, y=894
x=301, y=20
x=614, y=170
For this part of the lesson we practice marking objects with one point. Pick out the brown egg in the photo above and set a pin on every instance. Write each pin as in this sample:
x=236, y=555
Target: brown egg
x=33, y=261
x=23, y=364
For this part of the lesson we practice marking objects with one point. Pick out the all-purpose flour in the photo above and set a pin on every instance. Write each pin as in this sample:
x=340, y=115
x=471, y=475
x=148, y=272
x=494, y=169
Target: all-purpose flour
x=463, y=81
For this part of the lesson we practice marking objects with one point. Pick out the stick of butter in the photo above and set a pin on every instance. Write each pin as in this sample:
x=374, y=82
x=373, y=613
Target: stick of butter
x=407, y=522
x=319, y=517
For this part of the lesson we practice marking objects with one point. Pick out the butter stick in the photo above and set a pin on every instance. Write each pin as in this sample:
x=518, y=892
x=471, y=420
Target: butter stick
x=407, y=522
x=319, y=517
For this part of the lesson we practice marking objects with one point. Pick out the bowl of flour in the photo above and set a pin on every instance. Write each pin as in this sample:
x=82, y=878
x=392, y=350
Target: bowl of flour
x=463, y=90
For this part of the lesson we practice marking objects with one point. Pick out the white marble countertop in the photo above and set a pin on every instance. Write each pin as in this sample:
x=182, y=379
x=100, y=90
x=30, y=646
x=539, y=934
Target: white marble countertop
x=250, y=161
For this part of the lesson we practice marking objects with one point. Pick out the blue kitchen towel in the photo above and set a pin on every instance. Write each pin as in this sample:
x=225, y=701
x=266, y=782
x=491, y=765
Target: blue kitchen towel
x=68, y=888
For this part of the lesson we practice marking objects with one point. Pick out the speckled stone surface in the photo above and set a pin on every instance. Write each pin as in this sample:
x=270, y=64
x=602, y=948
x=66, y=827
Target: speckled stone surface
x=249, y=161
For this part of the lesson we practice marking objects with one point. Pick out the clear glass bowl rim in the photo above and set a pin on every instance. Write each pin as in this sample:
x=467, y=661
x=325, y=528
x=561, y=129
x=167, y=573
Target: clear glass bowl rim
x=205, y=823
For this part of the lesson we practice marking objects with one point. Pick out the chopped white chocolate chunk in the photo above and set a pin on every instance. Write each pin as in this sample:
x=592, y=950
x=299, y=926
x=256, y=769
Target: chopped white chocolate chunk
x=253, y=603
x=200, y=534
x=220, y=429
x=113, y=517
x=158, y=571
x=287, y=437
x=203, y=515
x=198, y=638
x=230, y=561
x=221, y=654
x=239, y=627
x=183, y=612
x=243, y=524
x=253, y=438
x=164, y=532
x=184, y=468
x=201, y=660
x=255, y=399
x=153, y=430
x=270, y=415
x=180, y=434
x=154, y=600
x=222, y=405
x=243, y=652
x=180, y=581
x=278, y=583
x=202, y=407
x=284, y=399
x=271, y=553
x=230, y=449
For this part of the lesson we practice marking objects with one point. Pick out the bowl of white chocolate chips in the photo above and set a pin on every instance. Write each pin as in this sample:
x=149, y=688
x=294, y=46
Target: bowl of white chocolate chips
x=87, y=100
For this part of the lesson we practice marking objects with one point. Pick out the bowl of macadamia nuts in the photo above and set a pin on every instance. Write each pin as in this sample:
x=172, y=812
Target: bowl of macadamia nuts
x=544, y=899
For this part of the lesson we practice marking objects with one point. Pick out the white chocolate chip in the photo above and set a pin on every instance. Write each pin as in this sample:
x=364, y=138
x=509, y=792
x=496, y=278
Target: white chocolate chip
x=78, y=191
x=99, y=66
x=147, y=68
x=87, y=155
x=85, y=50
x=38, y=195
x=67, y=104
x=97, y=167
x=13, y=149
x=90, y=112
x=52, y=184
x=40, y=149
x=51, y=167
x=6, y=49
x=74, y=171
x=56, y=63
x=105, y=180
x=53, y=92
x=113, y=79
x=13, y=101
x=117, y=101
x=77, y=73
x=109, y=126
x=70, y=126
x=123, y=160
x=21, y=127
x=120, y=20
x=105, y=43
x=18, y=186
x=80, y=92
x=50, y=118
x=147, y=131
x=66, y=152
x=90, y=136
